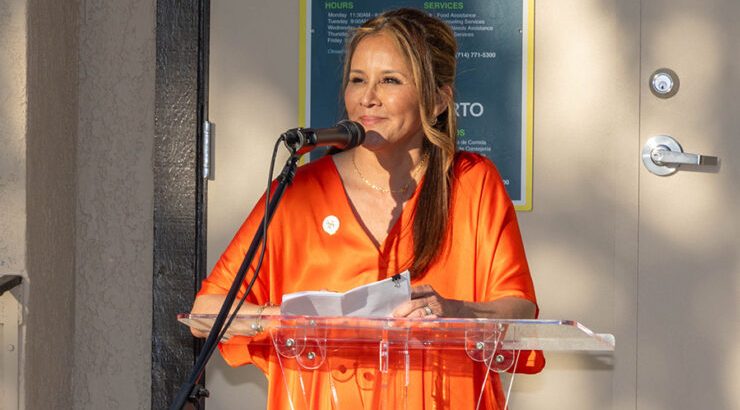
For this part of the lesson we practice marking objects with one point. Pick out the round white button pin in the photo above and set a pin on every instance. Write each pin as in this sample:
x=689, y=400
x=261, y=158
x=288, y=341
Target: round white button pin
x=331, y=224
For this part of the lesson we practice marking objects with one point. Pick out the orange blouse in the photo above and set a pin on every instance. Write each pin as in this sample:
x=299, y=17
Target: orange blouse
x=315, y=242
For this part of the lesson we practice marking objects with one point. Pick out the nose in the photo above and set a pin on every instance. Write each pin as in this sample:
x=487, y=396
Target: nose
x=369, y=96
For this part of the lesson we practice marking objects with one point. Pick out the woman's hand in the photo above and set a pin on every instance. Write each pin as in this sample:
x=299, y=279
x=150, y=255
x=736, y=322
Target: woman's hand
x=427, y=303
x=211, y=304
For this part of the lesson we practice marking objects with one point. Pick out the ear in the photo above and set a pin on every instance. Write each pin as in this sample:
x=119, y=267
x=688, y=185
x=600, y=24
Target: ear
x=443, y=98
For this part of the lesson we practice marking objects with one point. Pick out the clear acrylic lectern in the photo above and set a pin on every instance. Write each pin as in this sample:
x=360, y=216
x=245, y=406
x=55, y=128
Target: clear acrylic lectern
x=397, y=349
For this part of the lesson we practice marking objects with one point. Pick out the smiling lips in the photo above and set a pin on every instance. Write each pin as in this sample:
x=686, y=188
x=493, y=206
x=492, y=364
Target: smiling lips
x=370, y=120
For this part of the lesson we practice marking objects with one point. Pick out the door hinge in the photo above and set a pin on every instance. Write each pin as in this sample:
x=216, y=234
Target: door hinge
x=208, y=131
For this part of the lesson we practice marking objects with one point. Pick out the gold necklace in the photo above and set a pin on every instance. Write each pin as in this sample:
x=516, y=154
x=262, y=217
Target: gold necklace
x=405, y=188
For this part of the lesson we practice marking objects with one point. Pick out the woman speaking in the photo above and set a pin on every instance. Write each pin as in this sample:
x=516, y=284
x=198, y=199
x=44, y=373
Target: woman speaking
x=405, y=199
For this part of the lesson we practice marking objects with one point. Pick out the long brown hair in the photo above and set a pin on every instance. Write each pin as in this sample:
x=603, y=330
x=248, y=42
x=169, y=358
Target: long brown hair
x=430, y=48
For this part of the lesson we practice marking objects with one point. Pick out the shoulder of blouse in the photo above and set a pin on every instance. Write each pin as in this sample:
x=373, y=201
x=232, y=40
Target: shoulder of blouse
x=469, y=164
x=312, y=173
x=320, y=165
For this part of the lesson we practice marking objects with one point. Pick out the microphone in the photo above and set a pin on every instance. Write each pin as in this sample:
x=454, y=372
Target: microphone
x=345, y=135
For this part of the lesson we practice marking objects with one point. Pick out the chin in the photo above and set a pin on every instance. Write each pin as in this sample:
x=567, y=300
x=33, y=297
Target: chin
x=374, y=141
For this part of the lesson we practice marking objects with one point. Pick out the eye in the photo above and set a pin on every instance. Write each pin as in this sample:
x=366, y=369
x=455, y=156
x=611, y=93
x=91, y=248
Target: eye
x=355, y=80
x=390, y=80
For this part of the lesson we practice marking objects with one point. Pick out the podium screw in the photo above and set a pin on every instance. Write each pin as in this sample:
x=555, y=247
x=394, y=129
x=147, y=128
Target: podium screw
x=480, y=345
x=311, y=355
x=500, y=358
x=290, y=342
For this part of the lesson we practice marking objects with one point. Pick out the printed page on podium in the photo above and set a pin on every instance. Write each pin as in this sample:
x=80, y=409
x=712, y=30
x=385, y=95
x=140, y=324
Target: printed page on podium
x=377, y=299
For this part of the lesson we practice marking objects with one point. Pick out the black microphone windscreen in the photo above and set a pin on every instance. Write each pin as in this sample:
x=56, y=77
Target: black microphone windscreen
x=356, y=133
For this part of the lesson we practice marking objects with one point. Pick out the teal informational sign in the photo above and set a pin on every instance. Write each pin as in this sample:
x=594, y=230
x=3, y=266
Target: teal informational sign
x=493, y=84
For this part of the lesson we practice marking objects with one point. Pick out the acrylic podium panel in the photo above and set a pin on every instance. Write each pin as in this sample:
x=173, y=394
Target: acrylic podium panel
x=397, y=349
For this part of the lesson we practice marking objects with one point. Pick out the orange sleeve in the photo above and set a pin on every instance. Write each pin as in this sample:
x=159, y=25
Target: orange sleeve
x=509, y=275
x=224, y=272
x=501, y=251
x=238, y=350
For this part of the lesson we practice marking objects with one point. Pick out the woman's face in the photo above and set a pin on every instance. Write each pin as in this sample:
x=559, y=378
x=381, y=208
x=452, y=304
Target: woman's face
x=382, y=96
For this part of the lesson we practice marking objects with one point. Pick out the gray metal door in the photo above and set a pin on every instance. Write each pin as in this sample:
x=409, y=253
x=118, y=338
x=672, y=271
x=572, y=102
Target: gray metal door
x=688, y=345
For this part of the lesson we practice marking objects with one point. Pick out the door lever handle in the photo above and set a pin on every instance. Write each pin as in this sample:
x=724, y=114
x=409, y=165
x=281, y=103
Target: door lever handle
x=662, y=155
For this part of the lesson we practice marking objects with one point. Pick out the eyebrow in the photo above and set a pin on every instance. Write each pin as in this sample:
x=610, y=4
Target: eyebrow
x=383, y=72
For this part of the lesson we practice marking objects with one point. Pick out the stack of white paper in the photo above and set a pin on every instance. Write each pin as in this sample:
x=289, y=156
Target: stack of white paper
x=377, y=299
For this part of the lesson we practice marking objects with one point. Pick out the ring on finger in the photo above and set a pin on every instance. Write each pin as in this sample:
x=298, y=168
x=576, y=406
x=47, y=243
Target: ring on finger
x=428, y=311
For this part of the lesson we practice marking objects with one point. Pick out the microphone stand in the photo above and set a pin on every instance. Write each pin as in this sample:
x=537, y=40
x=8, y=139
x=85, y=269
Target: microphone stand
x=192, y=390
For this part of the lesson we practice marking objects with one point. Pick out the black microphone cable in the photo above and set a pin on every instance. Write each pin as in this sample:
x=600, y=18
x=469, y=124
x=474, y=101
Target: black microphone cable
x=263, y=247
x=211, y=341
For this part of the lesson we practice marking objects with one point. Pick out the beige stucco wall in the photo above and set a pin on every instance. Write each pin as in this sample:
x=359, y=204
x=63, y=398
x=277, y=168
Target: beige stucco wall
x=12, y=135
x=50, y=207
x=76, y=132
x=114, y=205
x=13, y=103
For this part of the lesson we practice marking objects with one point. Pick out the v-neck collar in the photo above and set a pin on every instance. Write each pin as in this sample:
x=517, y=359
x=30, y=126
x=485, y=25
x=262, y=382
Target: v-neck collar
x=401, y=226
